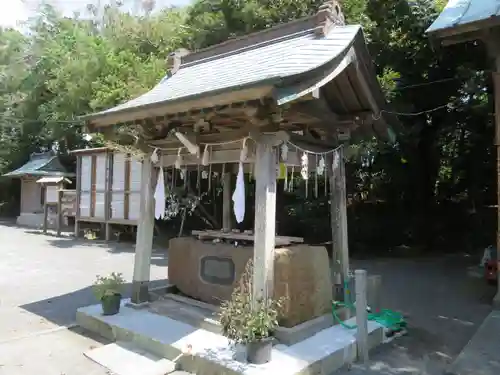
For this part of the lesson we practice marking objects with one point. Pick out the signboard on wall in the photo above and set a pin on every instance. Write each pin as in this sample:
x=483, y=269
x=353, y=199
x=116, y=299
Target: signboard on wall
x=68, y=203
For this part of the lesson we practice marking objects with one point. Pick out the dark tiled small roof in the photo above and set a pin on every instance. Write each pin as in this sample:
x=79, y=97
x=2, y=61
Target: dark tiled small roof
x=40, y=164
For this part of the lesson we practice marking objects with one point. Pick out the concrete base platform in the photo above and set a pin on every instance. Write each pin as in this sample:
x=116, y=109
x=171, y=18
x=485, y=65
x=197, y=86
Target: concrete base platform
x=212, y=354
x=203, y=315
x=480, y=356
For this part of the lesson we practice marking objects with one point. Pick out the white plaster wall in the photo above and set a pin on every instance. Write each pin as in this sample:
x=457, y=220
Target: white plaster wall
x=30, y=196
x=51, y=194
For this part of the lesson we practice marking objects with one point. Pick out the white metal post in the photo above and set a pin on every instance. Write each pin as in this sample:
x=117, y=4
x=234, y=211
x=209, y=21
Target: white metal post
x=361, y=315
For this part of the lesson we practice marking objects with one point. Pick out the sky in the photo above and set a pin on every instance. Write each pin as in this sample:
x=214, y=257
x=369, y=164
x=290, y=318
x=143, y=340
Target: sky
x=20, y=10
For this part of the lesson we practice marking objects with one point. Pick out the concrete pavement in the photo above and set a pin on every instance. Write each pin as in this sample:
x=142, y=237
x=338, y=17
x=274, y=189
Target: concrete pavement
x=43, y=280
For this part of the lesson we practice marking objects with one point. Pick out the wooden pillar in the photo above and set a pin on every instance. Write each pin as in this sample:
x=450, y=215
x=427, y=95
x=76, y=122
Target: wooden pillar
x=45, y=215
x=493, y=46
x=107, y=194
x=144, y=241
x=496, y=82
x=59, y=209
x=338, y=215
x=226, y=202
x=78, y=194
x=265, y=220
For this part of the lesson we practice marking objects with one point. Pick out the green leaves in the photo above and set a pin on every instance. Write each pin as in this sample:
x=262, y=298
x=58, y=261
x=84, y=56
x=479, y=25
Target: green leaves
x=243, y=320
x=108, y=285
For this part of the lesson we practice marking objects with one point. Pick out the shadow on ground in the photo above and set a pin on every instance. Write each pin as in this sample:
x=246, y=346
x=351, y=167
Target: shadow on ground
x=61, y=309
x=67, y=241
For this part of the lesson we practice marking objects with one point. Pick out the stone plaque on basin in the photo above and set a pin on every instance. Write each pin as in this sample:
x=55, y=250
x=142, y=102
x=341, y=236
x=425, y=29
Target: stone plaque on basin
x=217, y=270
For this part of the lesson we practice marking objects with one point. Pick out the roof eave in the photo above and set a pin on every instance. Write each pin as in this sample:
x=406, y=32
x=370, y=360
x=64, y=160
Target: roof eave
x=94, y=150
x=355, y=53
x=464, y=32
x=13, y=174
x=206, y=99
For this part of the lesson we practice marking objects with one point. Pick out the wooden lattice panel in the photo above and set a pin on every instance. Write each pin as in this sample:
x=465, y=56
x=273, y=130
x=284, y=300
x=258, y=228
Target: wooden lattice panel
x=134, y=194
x=118, y=187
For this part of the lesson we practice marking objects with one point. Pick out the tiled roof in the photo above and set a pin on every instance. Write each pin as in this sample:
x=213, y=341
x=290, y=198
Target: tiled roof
x=43, y=164
x=267, y=61
x=462, y=12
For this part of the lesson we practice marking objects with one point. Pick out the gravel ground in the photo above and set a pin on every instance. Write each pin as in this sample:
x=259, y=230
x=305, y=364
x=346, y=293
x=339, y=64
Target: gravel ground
x=44, y=279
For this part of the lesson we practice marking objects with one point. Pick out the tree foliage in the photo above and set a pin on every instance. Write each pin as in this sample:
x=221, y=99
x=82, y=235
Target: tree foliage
x=443, y=162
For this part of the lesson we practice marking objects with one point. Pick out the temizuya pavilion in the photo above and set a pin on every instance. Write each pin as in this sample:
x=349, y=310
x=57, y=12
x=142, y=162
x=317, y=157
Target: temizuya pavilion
x=301, y=84
x=476, y=20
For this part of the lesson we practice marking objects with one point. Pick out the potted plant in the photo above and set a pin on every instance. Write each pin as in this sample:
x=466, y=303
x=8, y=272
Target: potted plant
x=108, y=290
x=250, y=323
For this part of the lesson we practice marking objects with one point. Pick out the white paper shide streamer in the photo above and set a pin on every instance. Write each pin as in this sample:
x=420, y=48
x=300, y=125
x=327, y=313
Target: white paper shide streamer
x=320, y=169
x=304, y=171
x=239, y=191
x=336, y=161
x=159, y=196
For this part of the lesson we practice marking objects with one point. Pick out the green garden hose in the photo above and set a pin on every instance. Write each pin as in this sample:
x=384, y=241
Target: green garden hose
x=389, y=319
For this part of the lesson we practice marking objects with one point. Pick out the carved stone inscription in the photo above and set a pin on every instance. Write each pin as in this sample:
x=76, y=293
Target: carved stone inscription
x=216, y=270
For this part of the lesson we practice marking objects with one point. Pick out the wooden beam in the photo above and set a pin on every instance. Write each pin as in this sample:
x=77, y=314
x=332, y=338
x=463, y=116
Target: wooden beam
x=462, y=38
x=96, y=121
x=144, y=240
x=189, y=142
x=338, y=215
x=211, y=234
x=470, y=28
x=362, y=76
x=265, y=220
x=215, y=137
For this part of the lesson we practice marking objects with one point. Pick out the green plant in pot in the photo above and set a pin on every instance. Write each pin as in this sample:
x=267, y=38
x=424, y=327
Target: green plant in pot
x=250, y=324
x=108, y=290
